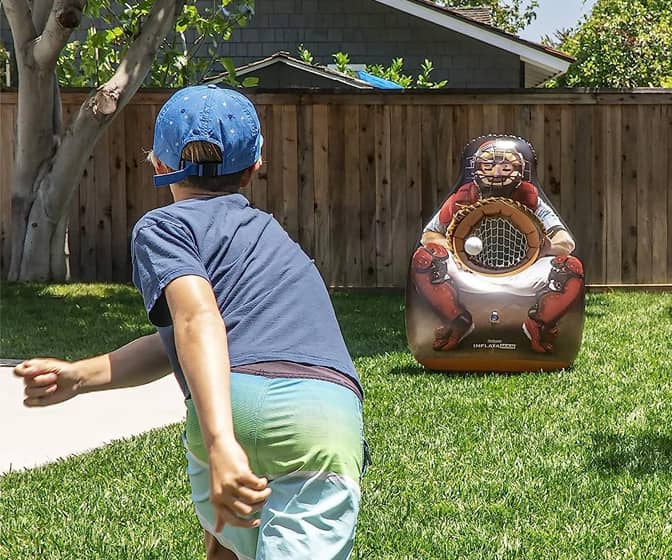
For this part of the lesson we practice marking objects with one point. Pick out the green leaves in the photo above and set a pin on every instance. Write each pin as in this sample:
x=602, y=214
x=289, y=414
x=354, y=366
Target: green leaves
x=622, y=44
x=188, y=55
x=395, y=74
x=509, y=15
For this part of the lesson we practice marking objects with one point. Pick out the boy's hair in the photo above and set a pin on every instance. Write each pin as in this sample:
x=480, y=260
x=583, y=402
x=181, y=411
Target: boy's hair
x=206, y=152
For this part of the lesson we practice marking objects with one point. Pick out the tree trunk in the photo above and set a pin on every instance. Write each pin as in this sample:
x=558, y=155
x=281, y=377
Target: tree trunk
x=48, y=163
x=40, y=241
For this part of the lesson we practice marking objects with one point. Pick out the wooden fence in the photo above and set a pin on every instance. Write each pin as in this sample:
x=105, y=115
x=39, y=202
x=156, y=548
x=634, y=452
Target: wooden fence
x=353, y=177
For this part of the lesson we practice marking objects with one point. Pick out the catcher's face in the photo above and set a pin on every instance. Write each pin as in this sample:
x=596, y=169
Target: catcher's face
x=498, y=167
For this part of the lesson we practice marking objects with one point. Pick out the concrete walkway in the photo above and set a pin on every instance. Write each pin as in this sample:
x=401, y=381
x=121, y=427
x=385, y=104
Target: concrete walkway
x=34, y=436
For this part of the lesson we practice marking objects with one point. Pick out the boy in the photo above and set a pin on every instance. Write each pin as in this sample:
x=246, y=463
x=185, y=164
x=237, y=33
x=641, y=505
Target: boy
x=273, y=437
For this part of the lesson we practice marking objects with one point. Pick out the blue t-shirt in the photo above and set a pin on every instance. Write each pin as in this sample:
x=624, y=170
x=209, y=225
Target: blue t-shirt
x=272, y=298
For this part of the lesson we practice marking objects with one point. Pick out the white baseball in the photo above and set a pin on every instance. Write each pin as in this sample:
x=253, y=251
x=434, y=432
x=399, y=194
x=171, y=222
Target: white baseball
x=473, y=246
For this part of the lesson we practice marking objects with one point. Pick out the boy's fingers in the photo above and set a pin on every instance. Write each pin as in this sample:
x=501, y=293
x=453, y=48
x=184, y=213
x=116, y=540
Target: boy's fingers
x=224, y=516
x=43, y=391
x=240, y=508
x=41, y=380
x=34, y=367
x=251, y=480
x=252, y=497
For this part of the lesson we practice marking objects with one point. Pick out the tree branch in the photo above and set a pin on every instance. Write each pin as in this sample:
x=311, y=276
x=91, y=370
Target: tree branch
x=41, y=10
x=65, y=16
x=104, y=104
x=21, y=24
x=140, y=56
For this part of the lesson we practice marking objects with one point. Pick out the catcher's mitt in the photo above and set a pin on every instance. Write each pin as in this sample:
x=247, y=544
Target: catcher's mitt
x=511, y=236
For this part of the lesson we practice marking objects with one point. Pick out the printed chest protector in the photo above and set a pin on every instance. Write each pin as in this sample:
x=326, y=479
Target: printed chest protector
x=493, y=284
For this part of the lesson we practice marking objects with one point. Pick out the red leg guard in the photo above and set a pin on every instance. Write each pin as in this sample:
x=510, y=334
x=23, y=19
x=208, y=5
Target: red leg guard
x=439, y=293
x=567, y=273
x=431, y=281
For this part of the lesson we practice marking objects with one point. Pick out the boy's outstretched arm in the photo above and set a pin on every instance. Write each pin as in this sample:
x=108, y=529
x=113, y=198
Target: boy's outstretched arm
x=201, y=342
x=49, y=380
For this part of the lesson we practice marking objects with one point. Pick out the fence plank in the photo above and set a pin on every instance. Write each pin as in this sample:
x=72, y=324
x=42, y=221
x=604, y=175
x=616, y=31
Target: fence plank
x=87, y=223
x=398, y=184
x=552, y=155
x=383, y=198
x=367, y=194
x=351, y=209
x=447, y=156
x=259, y=187
x=290, y=166
x=612, y=239
x=306, y=194
x=567, y=170
x=583, y=177
x=337, y=195
x=134, y=164
x=103, y=208
x=595, y=226
x=321, y=173
x=657, y=207
x=429, y=162
x=414, y=186
x=644, y=182
x=629, y=210
x=275, y=192
x=118, y=196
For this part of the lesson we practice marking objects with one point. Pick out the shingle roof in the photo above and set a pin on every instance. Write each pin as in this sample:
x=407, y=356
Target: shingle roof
x=481, y=14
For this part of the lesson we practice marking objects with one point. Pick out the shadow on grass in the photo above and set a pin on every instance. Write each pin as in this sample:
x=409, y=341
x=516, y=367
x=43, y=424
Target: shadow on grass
x=636, y=454
x=418, y=369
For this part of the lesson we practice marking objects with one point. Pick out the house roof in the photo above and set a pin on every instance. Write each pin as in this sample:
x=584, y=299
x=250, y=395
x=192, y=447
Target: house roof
x=482, y=14
x=284, y=58
x=541, y=62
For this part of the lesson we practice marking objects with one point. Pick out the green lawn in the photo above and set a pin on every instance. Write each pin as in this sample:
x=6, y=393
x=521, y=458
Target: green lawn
x=573, y=465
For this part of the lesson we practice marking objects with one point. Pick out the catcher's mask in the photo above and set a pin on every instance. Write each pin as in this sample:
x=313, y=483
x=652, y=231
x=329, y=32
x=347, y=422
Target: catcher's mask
x=498, y=167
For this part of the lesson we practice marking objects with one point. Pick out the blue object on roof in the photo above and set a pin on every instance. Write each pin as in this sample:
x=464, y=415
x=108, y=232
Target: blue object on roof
x=375, y=81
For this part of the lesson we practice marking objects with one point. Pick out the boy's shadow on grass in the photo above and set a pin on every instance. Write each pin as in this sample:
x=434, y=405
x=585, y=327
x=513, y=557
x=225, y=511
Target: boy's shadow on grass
x=637, y=454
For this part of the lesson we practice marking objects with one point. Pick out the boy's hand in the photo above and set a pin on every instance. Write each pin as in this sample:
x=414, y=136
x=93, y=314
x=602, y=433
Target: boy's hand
x=235, y=491
x=48, y=381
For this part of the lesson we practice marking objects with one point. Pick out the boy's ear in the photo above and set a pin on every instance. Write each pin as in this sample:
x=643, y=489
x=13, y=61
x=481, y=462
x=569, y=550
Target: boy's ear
x=249, y=172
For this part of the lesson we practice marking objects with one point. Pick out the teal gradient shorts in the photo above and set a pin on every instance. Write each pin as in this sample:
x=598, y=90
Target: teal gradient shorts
x=305, y=436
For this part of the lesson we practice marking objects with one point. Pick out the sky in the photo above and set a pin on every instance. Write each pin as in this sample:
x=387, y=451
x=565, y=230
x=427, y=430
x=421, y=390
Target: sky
x=553, y=15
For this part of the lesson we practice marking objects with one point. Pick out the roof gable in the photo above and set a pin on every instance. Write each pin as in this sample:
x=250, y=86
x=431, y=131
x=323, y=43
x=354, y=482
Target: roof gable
x=339, y=79
x=541, y=63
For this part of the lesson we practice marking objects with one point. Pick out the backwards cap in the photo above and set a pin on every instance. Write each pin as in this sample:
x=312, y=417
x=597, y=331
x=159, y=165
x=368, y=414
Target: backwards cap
x=212, y=114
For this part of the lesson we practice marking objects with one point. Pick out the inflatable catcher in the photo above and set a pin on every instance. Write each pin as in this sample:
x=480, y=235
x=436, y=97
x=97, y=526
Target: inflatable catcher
x=493, y=284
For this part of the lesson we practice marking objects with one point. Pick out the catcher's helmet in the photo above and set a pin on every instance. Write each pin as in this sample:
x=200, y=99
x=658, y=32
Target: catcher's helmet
x=499, y=167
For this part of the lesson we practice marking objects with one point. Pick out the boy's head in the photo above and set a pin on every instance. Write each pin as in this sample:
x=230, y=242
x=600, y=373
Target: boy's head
x=207, y=135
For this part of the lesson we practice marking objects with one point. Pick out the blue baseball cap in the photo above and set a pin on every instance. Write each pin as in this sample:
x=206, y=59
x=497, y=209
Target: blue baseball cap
x=212, y=114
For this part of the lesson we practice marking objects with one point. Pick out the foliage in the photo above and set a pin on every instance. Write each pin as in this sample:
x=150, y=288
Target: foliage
x=186, y=56
x=574, y=464
x=393, y=72
x=305, y=54
x=511, y=15
x=622, y=44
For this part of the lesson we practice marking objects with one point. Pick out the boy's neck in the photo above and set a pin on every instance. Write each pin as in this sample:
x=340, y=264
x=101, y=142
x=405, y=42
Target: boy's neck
x=187, y=192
